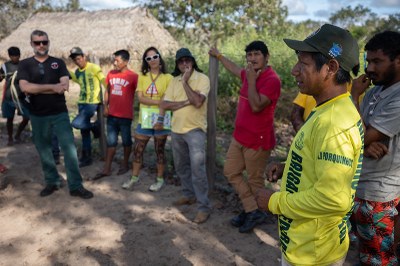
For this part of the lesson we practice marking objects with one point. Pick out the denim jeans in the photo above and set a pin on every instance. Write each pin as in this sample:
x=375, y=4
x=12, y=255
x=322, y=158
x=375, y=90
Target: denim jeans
x=190, y=164
x=42, y=128
x=116, y=125
x=82, y=122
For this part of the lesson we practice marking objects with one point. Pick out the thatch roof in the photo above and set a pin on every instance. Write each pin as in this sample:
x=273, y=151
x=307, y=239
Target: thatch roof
x=98, y=33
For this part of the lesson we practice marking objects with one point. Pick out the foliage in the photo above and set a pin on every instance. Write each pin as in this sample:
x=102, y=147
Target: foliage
x=14, y=12
x=209, y=20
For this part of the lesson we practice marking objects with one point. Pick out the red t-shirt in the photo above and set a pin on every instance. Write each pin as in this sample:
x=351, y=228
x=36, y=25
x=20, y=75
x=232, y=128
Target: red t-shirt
x=122, y=87
x=256, y=130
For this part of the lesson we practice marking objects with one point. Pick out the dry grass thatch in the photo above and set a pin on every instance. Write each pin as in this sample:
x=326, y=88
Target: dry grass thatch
x=98, y=33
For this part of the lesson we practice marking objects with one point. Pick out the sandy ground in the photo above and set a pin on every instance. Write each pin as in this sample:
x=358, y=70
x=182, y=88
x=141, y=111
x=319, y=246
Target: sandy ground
x=119, y=227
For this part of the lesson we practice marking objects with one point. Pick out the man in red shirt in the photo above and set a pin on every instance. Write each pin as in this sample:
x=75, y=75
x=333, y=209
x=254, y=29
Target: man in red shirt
x=254, y=136
x=118, y=108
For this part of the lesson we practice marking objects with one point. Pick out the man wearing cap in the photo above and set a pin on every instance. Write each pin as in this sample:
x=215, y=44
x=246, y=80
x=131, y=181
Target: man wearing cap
x=45, y=79
x=254, y=135
x=90, y=78
x=9, y=104
x=186, y=96
x=324, y=162
x=378, y=191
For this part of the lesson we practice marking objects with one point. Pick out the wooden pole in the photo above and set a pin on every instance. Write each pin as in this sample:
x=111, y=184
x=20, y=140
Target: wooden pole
x=212, y=122
x=100, y=118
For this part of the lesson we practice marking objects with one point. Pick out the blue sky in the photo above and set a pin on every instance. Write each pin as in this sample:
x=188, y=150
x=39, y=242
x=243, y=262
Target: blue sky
x=299, y=10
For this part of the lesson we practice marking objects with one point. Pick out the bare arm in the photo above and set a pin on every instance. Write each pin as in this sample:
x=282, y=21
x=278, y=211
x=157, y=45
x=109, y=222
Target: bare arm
x=173, y=106
x=296, y=117
x=257, y=101
x=146, y=100
x=34, y=88
x=228, y=64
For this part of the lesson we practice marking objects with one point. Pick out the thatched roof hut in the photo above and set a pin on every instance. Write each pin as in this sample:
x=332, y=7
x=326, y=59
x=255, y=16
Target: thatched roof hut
x=98, y=33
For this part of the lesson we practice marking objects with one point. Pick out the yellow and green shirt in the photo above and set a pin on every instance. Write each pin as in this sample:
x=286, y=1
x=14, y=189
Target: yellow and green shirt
x=153, y=90
x=319, y=183
x=89, y=80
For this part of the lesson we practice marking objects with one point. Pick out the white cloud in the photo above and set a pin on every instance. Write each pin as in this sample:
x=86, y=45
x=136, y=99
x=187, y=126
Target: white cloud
x=105, y=4
x=295, y=7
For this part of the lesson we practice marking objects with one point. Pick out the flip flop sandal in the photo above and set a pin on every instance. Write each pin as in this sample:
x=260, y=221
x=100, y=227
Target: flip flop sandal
x=99, y=176
x=122, y=170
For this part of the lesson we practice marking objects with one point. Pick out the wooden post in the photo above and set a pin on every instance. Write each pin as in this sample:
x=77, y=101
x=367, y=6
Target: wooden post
x=100, y=117
x=212, y=122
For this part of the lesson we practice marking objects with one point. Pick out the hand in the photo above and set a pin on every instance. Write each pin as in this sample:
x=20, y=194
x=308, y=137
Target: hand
x=375, y=150
x=262, y=197
x=187, y=74
x=213, y=52
x=360, y=85
x=275, y=171
x=158, y=126
x=105, y=112
x=59, y=88
x=251, y=73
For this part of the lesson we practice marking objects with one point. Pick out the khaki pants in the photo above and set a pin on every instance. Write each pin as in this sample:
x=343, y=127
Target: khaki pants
x=240, y=158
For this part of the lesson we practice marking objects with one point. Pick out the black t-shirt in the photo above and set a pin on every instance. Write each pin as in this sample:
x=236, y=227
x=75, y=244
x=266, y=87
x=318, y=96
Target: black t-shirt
x=48, y=72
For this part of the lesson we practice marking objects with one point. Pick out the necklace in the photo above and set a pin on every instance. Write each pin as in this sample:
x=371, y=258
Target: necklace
x=153, y=83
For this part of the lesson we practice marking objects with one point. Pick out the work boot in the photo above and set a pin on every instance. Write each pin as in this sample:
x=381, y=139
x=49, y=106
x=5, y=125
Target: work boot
x=86, y=158
x=239, y=220
x=252, y=219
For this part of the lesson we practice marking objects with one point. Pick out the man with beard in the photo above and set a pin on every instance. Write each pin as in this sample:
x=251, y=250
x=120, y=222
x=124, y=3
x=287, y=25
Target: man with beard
x=378, y=189
x=45, y=79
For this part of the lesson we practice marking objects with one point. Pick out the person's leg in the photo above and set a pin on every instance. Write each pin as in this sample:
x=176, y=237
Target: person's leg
x=159, y=147
x=8, y=111
x=55, y=146
x=112, y=141
x=256, y=162
x=41, y=136
x=126, y=136
x=63, y=130
x=139, y=147
x=195, y=140
x=21, y=127
x=375, y=223
x=180, y=152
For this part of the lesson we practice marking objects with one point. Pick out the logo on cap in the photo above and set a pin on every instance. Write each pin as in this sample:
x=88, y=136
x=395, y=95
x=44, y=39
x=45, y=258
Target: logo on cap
x=335, y=50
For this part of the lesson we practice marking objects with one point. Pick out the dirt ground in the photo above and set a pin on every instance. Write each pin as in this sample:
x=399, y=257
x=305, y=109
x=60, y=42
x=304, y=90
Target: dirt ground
x=119, y=227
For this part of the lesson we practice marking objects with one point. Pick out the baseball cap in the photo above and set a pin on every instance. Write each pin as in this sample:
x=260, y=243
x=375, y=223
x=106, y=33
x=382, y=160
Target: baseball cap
x=331, y=41
x=75, y=51
x=183, y=52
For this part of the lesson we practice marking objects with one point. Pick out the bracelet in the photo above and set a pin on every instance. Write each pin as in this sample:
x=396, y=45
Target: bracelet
x=160, y=119
x=219, y=56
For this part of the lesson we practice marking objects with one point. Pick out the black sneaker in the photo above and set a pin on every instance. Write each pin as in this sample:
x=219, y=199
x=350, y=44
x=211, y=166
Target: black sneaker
x=48, y=190
x=238, y=220
x=81, y=192
x=252, y=219
x=85, y=162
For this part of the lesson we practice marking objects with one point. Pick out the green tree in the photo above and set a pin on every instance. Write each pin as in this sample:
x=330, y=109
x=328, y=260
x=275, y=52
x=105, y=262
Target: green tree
x=209, y=20
x=347, y=17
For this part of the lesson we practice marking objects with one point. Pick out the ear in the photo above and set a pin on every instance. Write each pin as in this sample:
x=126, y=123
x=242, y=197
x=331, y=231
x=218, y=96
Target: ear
x=333, y=67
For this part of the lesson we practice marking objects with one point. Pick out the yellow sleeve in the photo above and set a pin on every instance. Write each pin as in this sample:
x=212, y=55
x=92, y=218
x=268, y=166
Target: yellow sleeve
x=73, y=76
x=300, y=100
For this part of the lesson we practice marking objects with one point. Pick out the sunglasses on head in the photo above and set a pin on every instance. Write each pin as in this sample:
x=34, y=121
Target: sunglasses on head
x=37, y=43
x=151, y=58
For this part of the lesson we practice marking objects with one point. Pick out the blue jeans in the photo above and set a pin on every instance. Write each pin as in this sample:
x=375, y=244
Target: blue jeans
x=42, y=128
x=116, y=125
x=190, y=165
x=82, y=122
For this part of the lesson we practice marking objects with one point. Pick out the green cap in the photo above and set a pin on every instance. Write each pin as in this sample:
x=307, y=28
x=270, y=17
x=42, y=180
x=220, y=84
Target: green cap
x=331, y=41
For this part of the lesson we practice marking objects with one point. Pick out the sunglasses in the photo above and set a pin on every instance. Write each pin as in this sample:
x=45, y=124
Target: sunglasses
x=151, y=58
x=41, y=69
x=37, y=43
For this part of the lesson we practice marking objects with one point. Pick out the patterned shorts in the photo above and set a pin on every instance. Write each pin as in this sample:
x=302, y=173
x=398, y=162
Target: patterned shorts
x=374, y=227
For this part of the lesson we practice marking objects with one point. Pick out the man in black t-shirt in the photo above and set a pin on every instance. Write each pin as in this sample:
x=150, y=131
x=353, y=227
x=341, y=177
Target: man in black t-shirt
x=45, y=79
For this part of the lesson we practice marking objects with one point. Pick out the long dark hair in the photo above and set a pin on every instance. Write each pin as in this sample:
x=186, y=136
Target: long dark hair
x=177, y=72
x=145, y=66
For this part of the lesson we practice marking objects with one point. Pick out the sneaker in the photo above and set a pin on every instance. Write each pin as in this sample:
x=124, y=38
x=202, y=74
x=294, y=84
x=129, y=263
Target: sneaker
x=184, y=201
x=81, y=192
x=239, y=220
x=48, y=190
x=201, y=217
x=131, y=182
x=158, y=185
x=252, y=219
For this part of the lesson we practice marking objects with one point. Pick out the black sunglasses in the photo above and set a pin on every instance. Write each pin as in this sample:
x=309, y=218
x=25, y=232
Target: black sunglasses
x=151, y=58
x=37, y=43
x=41, y=69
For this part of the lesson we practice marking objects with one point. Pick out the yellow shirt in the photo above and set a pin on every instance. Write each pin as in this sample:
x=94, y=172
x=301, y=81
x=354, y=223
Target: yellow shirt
x=153, y=91
x=319, y=183
x=188, y=117
x=89, y=79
